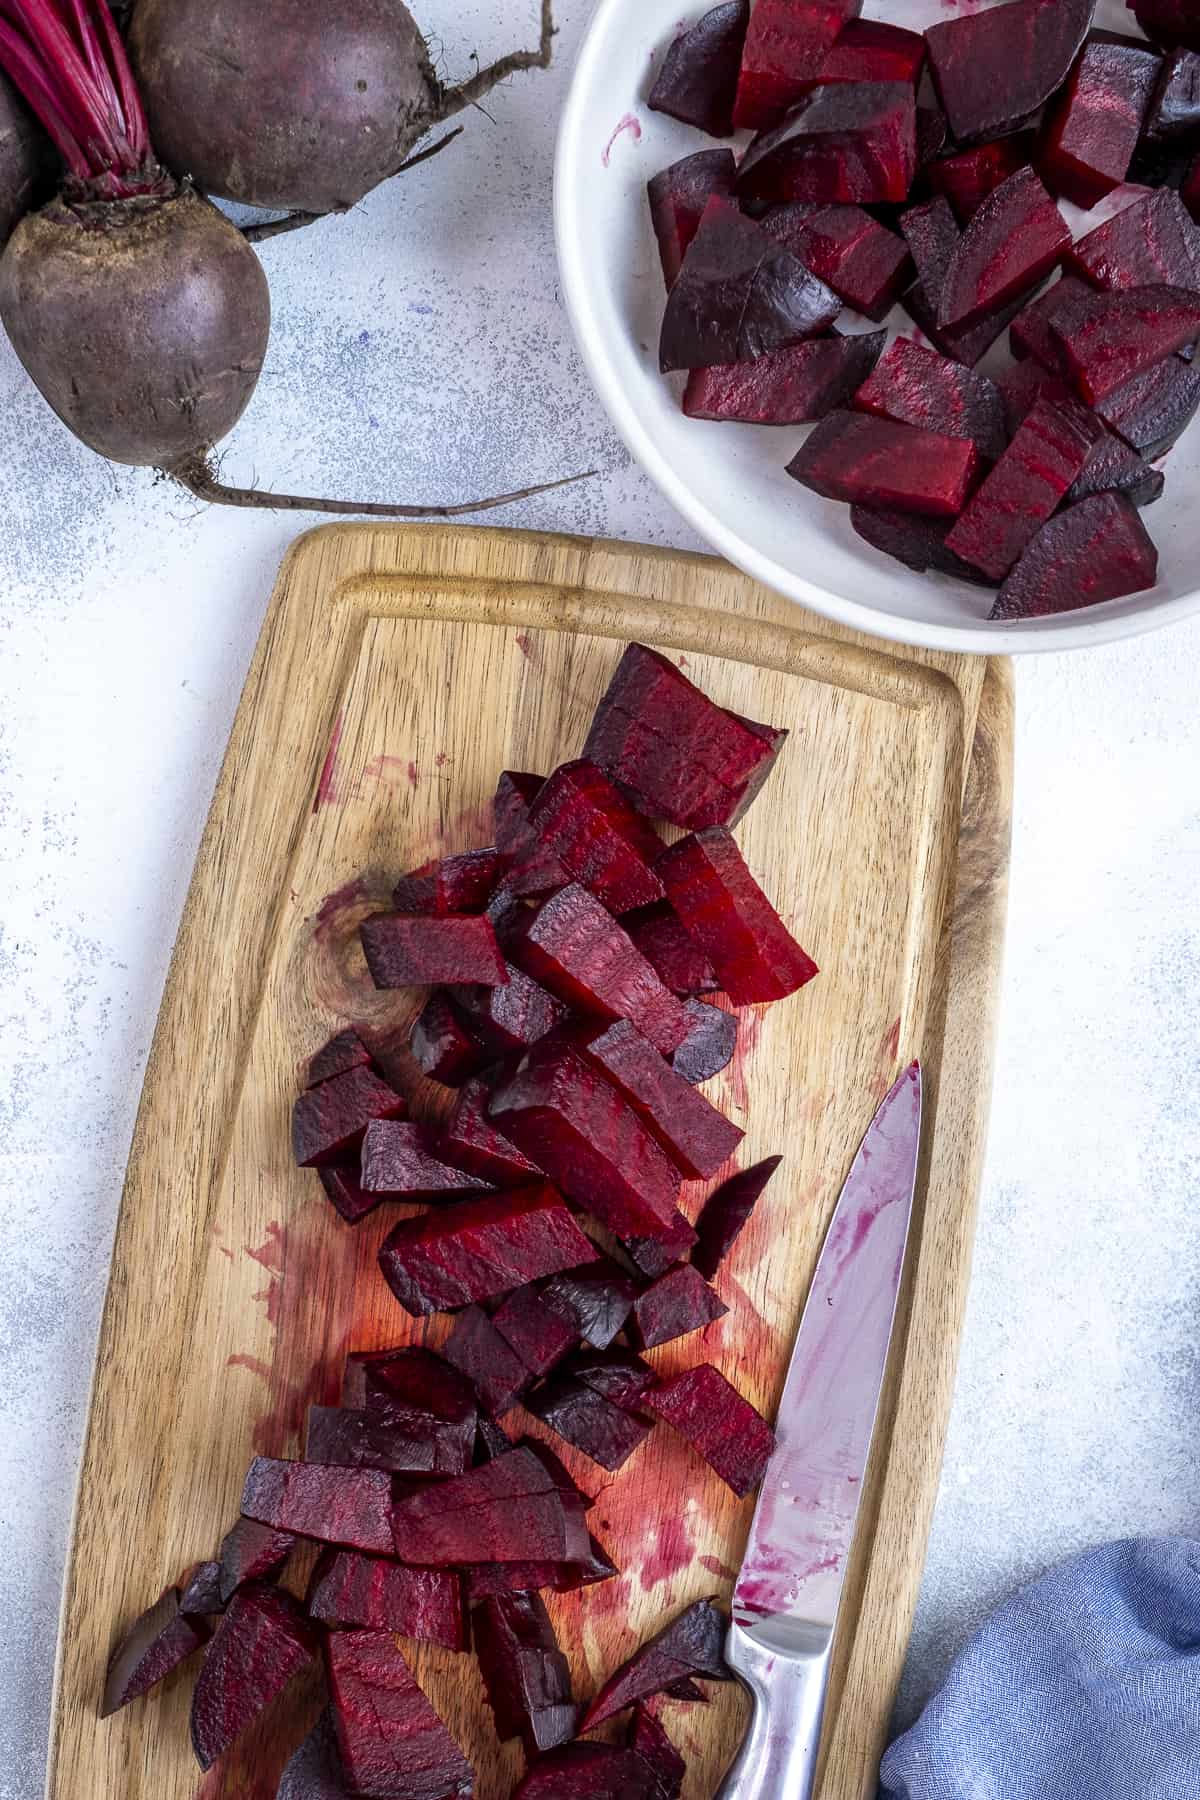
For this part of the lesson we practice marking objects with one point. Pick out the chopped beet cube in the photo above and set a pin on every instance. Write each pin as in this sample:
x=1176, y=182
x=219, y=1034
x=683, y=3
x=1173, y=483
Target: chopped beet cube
x=968, y=177
x=654, y=1256
x=1155, y=408
x=709, y=1045
x=788, y=387
x=933, y=237
x=650, y=1741
x=1015, y=239
x=202, y=1591
x=574, y=947
x=342, y=1053
x=698, y=81
x=692, y=1644
x=1030, y=333
x=511, y=1017
x=696, y=1137
x=685, y=758
x=855, y=141
x=263, y=1640
x=680, y=1302
x=471, y=1142
x=1123, y=333
x=785, y=47
x=251, y=1552
x=155, y=1644
x=315, y=1772
x=620, y=1375
x=379, y=1595
x=868, y=461
x=1168, y=21
x=329, y=1120
x=415, y=1393
x=486, y=1579
x=527, y=1678
x=596, y=1299
x=1174, y=112
x=335, y=1505
x=605, y=1432
x=456, y=884
x=678, y=196
x=730, y=1434
x=852, y=253
x=352, y=1438
x=1154, y=240
x=399, y=1160
x=585, y=1771
x=487, y=1360
x=344, y=1190
x=918, y=543
x=1097, y=550
x=1022, y=386
x=994, y=69
x=1113, y=467
x=660, y=937
x=407, y=950
x=588, y=1138
x=965, y=343
x=584, y=820
x=918, y=387
x=442, y=1044
x=725, y=910
x=869, y=50
x=478, y=1248
x=1027, y=484
x=391, y=1740
x=538, y=1335
x=515, y=794
x=509, y=1510
x=726, y=1211
x=739, y=294
x=1092, y=127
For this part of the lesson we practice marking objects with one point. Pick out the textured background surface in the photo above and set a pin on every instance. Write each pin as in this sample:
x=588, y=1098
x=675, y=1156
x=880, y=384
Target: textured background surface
x=420, y=352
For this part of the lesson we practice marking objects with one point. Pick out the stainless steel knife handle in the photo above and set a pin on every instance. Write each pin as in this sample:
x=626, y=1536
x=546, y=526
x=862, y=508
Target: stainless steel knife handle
x=787, y=1674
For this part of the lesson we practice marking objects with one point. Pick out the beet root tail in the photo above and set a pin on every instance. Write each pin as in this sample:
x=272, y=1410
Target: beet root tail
x=470, y=93
x=199, y=476
x=297, y=221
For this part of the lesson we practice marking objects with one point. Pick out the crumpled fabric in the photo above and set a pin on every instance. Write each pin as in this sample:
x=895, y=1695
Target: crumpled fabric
x=1083, y=1686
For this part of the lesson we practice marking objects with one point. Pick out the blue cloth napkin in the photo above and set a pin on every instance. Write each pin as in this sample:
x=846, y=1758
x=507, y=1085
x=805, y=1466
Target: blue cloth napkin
x=1083, y=1686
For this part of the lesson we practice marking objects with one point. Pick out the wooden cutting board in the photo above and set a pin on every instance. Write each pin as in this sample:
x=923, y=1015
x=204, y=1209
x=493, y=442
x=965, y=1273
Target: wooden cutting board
x=398, y=671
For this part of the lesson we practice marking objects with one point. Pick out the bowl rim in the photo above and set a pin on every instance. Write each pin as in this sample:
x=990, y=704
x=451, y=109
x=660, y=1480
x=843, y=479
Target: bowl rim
x=1004, y=637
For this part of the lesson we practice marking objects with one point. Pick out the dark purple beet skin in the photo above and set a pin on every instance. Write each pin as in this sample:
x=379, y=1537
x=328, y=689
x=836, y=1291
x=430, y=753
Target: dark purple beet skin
x=596, y=1299
x=378, y=1595
x=329, y=1120
x=864, y=460
x=965, y=343
x=1154, y=240
x=399, y=1160
x=650, y=1741
x=511, y=1017
x=680, y=1302
x=587, y=1771
x=485, y=1579
x=788, y=387
x=918, y=387
x=1097, y=550
x=726, y=1211
x=345, y=1192
x=416, y=1396
x=726, y=912
x=1015, y=239
x=729, y=1433
x=994, y=69
x=155, y=1644
x=1168, y=21
x=932, y=235
x=1174, y=111
x=1155, y=408
x=652, y=1257
x=691, y=1645
x=251, y=1552
x=920, y=544
x=353, y=1438
x=261, y=1643
x=493, y=1368
x=509, y=1510
x=1027, y=484
x=315, y=1772
x=678, y=196
x=525, y=1674
x=479, y=1248
x=1093, y=125
x=785, y=47
x=852, y=142
x=698, y=81
x=865, y=264
x=609, y=1434
x=709, y=1045
x=390, y=1738
x=622, y=1376
x=343, y=1052
x=408, y=950
x=201, y=1594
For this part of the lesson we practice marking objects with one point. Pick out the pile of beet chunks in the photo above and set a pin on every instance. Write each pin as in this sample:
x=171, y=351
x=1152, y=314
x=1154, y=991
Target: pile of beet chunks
x=891, y=166
x=570, y=971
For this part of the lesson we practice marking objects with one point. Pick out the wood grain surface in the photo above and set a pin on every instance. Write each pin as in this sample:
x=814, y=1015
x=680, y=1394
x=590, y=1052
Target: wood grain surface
x=398, y=671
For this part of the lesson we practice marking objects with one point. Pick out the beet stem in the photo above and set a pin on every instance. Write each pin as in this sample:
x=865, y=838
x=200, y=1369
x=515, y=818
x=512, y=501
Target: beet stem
x=470, y=93
x=297, y=221
x=199, y=477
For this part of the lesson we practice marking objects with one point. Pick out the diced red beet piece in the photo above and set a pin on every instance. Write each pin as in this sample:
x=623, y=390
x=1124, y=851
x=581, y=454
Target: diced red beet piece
x=730, y=1434
x=738, y=295
x=685, y=758
x=994, y=69
x=1114, y=467
x=515, y=794
x=336, y=1505
x=692, y=1644
x=455, y=884
x=1028, y=483
x=785, y=47
x=391, y=1740
x=201, y=1594
x=918, y=543
x=965, y=343
x=918, y=387
x=485, y=1579
x=1097, y=550
x=1030, y=333
x=251, y=1552
x=471, y=1141
x=514, y=1016
x=698, y=81
x=509, y=1510
x=678, y=196
x=1093, y=125
x=968, y=177
x=586, y=1771
x=1123, y=333
x=607, y=1433
x=1154, y=240
x=527, y=1678
x=654, y=1256
x=574, y=947
x=596, y=1299
x=660, y=937
x=487, y=1360
x=380, y=1595
x=408, y=950
x=932, y=235
x=1168, y=21
x=855, y=141
x=344, y=1052
x=696, y=1137
x=726, y=1211
x=863, y=262
x=584, y=820
x=344, y=1190
x=620, y=1375
x=315, y=1772
x=681, y=1301
x=868, y=461
x=162, y=1638
x=1015, y=239
x=329, y=1120
x=399, y=1160
x=262, y=1641
x=452, y=1257
x=442, y=1044
x=1155, y=408
x=870, y=50
x=650, y=1741
x=788, y=387
x=539, y=1336
x=1174, y=111
x=589, y=1139
x=727, y=913
x=415, y=1393
x=1022, y=386
x=709, y=1045
x=352, y=1438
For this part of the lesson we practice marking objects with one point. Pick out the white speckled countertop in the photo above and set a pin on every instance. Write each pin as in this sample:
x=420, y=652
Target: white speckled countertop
x=420, y=351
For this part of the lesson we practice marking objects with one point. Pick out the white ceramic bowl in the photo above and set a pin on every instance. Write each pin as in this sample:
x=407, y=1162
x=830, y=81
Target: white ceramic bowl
x=728, y=481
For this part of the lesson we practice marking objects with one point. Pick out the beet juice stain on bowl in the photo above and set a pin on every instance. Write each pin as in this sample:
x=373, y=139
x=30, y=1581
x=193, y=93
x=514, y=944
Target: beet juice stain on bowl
x=628, y=123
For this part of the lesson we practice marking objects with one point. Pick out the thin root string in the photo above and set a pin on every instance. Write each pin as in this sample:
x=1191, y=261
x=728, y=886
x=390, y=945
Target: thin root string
x=297, y=221
x=470, y=93
x=199, y=476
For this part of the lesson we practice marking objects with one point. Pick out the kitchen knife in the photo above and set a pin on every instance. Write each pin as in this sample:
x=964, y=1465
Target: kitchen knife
x=785, y=1603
